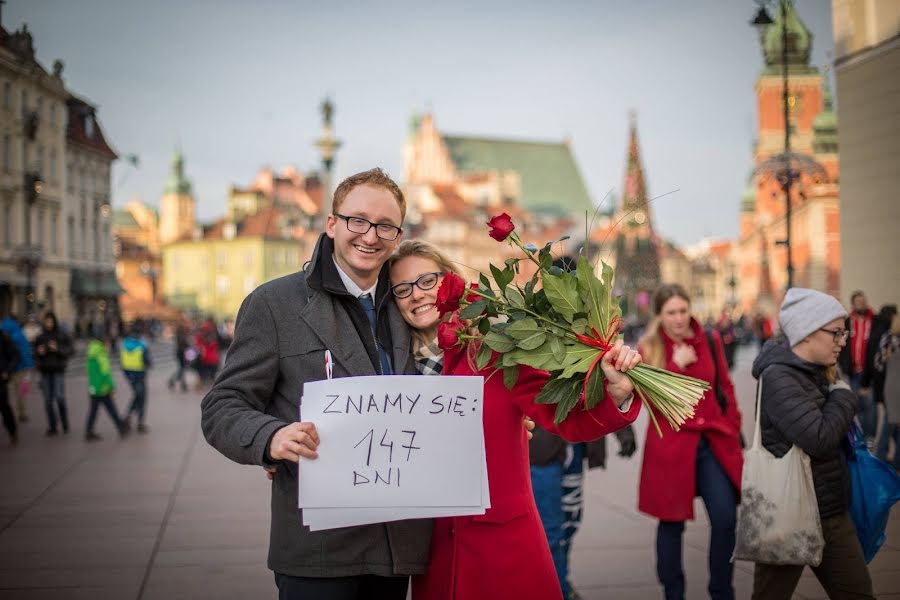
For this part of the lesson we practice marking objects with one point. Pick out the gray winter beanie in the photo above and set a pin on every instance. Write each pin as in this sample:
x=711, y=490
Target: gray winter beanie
x=803, y=311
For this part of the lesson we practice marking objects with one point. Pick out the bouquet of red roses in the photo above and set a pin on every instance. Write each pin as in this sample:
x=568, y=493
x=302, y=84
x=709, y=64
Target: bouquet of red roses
x=559, y=321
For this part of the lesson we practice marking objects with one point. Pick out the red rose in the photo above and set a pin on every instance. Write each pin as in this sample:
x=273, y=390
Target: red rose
x=448, y=334
x=501, y=226
x=473, y=297
x=450, y=293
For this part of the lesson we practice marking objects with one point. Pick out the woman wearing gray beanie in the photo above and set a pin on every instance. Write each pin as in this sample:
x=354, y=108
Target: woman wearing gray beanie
x=805, y=404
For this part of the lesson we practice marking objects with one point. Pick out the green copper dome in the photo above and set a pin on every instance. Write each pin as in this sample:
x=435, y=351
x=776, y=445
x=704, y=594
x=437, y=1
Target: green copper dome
x=825, y=124
x=799, y=40
x=177, y=183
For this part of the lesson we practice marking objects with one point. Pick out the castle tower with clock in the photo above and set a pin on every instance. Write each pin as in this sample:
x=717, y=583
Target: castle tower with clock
x=815, y=233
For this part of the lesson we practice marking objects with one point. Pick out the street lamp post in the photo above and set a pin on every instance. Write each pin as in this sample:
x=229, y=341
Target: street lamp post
x=786, y=175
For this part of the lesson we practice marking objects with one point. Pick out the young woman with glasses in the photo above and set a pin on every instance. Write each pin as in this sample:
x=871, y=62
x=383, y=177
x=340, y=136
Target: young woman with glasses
x=804, y=404
x=503, y=553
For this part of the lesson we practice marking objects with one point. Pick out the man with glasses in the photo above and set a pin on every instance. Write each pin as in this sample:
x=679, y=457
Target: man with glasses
x=335, y=318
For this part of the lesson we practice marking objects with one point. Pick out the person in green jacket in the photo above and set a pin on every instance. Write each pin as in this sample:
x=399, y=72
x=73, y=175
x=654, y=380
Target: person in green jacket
x=101, y=387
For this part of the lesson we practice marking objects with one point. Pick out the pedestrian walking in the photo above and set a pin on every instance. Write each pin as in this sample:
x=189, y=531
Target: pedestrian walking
x=101, y=386
x=52, y=349
x=464, y=561
x=208, y=356
x=887, y=364
x=873, y=378
x=21, y=378
x=853, y=360
x=9, y=361
x=135, y=360
x=703, y=458
x=805, y=404
x=182, y=343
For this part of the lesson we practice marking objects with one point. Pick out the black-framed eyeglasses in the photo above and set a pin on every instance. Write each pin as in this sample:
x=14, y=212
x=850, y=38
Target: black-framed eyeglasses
x=360, y=225
x=425, y=281
x=839, y=335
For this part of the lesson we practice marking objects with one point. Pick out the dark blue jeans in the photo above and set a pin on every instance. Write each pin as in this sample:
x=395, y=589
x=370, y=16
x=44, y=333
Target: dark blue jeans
x=546, y=482
x=572, y=497
x=107, y=403
x=868, y=412
x=720, y=499
x=139, y=387
x=53, y=387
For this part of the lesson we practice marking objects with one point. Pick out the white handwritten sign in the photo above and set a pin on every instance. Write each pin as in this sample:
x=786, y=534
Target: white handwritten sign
x=394, y=441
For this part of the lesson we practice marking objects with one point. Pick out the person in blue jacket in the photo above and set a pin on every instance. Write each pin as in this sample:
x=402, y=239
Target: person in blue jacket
x=135, y=360
x=22, y=374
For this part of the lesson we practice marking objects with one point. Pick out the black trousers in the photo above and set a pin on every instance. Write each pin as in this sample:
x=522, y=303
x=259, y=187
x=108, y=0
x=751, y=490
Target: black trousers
x=9, y=420
x=357, y=587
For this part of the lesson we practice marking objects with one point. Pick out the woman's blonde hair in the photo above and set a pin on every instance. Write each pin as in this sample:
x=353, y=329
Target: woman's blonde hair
x=652, y=349
x=422, y=249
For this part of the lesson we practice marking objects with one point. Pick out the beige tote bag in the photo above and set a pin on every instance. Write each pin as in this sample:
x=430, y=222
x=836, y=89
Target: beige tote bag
x=778, y=520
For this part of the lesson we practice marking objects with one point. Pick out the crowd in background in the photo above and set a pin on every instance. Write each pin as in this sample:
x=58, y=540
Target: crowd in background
x=35, y=355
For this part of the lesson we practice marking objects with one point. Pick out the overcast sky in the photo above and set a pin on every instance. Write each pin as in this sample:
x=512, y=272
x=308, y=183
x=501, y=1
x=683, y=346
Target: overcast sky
x=238, y=84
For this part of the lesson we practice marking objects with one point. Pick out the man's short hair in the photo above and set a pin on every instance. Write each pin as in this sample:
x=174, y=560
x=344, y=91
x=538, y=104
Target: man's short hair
x=856, y=295
x=375, y=178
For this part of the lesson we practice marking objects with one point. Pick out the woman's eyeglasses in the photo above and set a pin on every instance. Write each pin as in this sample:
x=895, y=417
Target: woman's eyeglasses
x=426, y=281
x=839, y=335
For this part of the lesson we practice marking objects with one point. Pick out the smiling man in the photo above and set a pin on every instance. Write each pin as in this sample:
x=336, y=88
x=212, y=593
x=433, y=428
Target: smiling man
x=339, y=305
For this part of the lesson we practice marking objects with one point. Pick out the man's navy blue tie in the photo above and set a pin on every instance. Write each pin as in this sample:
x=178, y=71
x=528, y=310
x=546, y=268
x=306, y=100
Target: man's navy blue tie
x=369, y=308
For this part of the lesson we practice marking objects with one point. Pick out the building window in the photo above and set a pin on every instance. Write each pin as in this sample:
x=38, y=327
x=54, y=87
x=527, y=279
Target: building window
x=249, y=284
x=222, y=284
x=83, y=245
x=222, y=259
x=7, y=154
x=70, y=241
x=7, y=94
x=53, y=165
x=106, y=240
x=24, y=102
x=248, y=258
x=40, y=159
x=40, y=107
x=7, y=225
x=53, y=115
x=40, y=229
x=89, y=126
x=54, y=234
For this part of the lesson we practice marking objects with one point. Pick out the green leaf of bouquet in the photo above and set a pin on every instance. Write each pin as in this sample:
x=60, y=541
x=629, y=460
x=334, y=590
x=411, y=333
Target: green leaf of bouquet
x=484, y=326
x=485, y=282
x=522, y=328
x=580, y=326
x=514, y=297
x=554, y=391
x=594, y=294
x=578, y=359
x=483, y=356
x=539, y=358
x=499, y=342
x=611, y=304
x=565, y=406
x=562, y=292
x=594, y=392
x=532, y=341
x=499, y=278
x=473, y=310
x=557, y=348
x=510, y=376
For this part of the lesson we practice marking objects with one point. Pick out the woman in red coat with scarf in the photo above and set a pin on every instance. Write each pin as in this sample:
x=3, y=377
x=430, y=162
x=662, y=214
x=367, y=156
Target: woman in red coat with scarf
x=704, y=458
x=504, y=552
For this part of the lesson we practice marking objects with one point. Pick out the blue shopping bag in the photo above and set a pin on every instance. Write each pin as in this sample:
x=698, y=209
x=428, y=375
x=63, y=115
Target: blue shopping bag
x=876, y=487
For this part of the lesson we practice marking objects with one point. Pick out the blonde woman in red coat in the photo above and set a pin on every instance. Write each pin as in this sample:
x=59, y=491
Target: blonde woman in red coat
x=503, y=553
x=703, y=458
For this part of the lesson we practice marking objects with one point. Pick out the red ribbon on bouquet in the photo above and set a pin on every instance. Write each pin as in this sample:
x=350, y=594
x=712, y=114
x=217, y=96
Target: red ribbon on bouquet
x=602, y=343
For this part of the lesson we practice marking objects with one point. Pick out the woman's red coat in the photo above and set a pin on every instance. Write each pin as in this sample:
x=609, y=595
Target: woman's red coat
x=668, y=474
x=504, y=553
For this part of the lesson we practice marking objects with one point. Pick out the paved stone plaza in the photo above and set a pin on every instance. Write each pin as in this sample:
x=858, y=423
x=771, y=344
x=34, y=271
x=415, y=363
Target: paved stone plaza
x=164, y=516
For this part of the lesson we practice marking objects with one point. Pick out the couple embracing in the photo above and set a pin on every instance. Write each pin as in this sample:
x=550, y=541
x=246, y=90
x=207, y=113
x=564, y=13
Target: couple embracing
x=369, y=299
